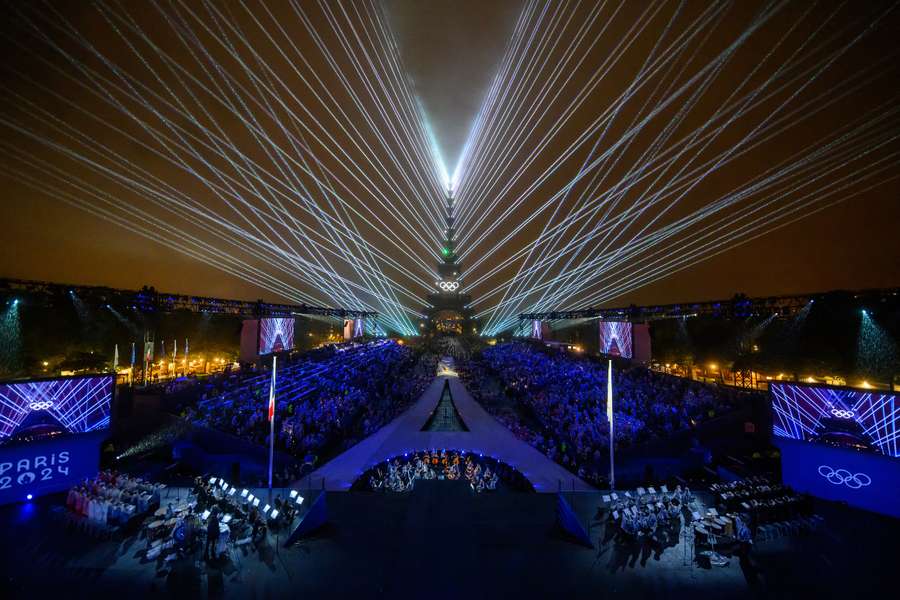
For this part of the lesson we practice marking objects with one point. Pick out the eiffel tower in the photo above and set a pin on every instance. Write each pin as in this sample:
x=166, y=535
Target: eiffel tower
x=448, y=310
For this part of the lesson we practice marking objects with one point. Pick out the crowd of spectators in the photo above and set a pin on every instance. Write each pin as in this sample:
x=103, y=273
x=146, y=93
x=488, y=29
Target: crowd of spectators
x=325, y=401
x=565, y=396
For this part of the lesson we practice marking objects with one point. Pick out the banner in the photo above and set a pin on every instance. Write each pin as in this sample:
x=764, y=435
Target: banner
x=49, y=466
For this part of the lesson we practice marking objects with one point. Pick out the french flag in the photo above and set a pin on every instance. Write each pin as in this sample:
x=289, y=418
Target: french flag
x=272, y=392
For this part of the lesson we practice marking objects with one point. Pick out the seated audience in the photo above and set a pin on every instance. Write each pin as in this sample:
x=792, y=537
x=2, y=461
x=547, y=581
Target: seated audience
x=326, y=401
x=564, y=397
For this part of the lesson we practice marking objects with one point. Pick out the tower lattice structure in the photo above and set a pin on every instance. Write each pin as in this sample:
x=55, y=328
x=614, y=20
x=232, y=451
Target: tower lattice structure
x=449, y=307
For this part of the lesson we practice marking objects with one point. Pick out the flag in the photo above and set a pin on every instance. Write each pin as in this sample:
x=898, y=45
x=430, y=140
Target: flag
x=272, y=393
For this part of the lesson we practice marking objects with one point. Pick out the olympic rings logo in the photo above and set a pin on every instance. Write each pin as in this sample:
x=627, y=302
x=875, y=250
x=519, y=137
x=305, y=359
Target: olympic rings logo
x=842, y=414
x=41, y=405
x=854, y=481
x=448, y=286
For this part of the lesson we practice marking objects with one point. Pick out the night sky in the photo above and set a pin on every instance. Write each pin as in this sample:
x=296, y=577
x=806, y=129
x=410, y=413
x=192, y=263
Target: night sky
x=287, y=151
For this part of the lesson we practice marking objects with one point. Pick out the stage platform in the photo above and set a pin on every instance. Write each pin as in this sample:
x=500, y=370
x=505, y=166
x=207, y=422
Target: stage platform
x=485, y=436
x=441, y=542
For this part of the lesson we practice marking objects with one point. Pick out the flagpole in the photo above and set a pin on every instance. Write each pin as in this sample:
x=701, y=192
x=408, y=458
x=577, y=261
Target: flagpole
x=271, y=423
x=609, y=416
x=146, y=356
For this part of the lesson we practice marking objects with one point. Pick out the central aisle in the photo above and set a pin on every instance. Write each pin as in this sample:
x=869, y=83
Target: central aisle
x=485, y=436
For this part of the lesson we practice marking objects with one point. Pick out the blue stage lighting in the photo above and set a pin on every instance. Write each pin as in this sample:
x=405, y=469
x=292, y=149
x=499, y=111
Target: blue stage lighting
x=29, y=497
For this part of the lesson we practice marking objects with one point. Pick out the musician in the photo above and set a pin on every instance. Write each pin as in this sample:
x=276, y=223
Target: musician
x=470, y=469
x=674, y=509
x=662, y=516
x=259, y=527
x=212, y=534
x=629, y=526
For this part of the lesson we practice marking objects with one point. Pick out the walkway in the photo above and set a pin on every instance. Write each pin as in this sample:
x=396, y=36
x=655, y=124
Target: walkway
x=485, y=436
x=445, y=417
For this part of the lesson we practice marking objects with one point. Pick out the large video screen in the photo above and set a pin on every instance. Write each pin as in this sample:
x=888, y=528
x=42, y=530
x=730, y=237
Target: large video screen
x=839, y=417
x=276, y=335
x=31, y=410
x=615, y=338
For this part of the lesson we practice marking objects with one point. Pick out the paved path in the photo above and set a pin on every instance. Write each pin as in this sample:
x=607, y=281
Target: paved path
x=486, y=436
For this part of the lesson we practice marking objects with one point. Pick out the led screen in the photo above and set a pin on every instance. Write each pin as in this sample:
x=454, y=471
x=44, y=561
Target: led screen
x=276, y=335
x=843, y=418
x=31, y=410
x=865, y=480
x=48, y=465
x=615, y=338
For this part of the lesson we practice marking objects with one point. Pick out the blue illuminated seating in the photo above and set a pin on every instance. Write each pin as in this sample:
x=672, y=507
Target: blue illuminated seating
x=566, y=394
x=323, y=400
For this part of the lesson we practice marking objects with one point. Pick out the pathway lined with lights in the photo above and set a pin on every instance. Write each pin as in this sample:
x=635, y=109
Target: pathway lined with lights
x=486, y=436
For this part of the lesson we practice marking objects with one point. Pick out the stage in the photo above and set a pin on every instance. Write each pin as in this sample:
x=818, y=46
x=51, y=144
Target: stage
x=440, y=541
x=485, y=436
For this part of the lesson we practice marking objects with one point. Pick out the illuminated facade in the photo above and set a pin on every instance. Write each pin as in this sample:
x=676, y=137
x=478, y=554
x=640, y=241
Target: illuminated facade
x=448, y=310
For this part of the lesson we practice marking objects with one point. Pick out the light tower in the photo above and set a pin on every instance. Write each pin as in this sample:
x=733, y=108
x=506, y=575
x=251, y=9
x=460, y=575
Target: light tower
x=448, y=311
